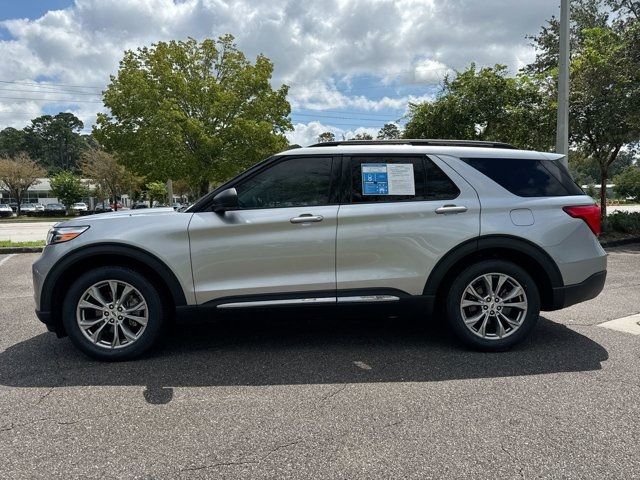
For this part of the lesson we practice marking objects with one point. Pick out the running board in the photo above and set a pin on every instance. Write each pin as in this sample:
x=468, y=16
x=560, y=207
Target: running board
x=312, y=301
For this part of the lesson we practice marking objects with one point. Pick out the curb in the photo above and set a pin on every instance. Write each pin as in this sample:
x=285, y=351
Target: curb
x=619, y=243
x=20, y=250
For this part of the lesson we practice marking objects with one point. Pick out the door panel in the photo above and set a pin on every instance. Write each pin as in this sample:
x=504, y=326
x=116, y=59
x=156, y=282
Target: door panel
x=397, y=244
x=247, y=252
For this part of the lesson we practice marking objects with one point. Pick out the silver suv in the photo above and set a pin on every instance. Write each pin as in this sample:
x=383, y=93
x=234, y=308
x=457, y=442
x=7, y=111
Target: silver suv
x=489, y=233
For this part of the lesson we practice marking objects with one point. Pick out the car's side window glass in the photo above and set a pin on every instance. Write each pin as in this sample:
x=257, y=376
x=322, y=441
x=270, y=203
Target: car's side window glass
x=439, y=185
x=295, y=182
x=387, y=179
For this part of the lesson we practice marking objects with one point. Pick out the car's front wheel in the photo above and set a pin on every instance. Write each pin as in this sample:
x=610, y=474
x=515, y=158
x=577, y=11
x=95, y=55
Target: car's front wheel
x=493, y=304
x=113, y=313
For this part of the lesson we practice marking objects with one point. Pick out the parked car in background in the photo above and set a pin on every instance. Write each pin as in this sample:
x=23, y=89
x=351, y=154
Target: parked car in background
x=6, y=210
x=116, y=206
x=138, y=205
x=176, y=206
x=103, y=207
x=79, y=207
x=39, y=208
x=28, y=208
x=55, y=210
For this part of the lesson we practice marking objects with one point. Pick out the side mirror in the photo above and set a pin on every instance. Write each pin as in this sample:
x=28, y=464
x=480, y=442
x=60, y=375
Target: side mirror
x=225, y=200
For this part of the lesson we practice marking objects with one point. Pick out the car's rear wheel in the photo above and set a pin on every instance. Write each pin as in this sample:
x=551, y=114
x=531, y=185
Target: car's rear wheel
x=113, y=313
x=493, y=304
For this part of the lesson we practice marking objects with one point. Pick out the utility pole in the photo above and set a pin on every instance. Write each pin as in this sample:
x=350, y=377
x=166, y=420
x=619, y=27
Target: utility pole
x=170, y=192
x=562, y=127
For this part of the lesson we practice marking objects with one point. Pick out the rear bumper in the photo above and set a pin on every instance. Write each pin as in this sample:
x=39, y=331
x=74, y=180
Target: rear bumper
x=579, y=292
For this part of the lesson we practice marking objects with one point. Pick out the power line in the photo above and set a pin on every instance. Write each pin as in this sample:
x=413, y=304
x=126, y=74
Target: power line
x=57, y=100
x=348, y=112
x=59, y=92
x=363, y=119
x=19, y=82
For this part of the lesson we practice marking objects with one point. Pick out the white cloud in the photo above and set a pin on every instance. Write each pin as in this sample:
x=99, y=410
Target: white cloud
x=305, y=134
x=312, y=44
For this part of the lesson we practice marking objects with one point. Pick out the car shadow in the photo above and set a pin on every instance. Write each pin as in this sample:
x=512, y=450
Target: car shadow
x=298, y=350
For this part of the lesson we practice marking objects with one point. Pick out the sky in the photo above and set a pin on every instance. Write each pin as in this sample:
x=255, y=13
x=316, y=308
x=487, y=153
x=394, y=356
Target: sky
x=352, y=65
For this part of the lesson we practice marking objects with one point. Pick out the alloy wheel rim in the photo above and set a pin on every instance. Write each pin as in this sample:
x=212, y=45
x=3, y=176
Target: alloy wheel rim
x=493, y=306
x=112, y=314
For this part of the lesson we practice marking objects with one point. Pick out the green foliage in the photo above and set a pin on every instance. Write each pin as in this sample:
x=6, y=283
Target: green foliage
x=201, y=111
x=68, y=188
x=12, y=142
x=55, y=142
x=389, y=131
x=17, y=174
x=627, y=182
x=623, y=222
x=486, y=104
x=111, y=178
x=363, y=136
x=605, y=79
x=326, y=137
x=156, y=191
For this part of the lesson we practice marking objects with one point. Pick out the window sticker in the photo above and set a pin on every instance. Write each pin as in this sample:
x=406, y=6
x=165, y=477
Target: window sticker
x=388, y=179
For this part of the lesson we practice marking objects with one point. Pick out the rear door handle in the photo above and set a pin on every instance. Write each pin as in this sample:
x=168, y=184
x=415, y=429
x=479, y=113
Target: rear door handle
x=445, y=209
x=307, y=218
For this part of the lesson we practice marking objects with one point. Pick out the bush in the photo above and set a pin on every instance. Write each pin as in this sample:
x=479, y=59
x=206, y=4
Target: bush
x=623, y=222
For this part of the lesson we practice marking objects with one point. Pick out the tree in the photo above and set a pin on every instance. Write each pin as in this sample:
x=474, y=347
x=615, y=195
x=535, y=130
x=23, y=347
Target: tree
x=55, y=141
x=12, y=142
x=605, y=99
x=389, y=131
x=605, y=79
x=202, y=111
x=363, y=136
x=156, y=191
x=111, y=177
x=627, y=182
x=19, y=173
x=68, y=188
x=326, y=137
x=486, y=104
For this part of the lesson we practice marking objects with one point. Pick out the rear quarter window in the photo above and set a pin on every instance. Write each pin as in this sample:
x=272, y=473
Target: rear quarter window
x=527, y=177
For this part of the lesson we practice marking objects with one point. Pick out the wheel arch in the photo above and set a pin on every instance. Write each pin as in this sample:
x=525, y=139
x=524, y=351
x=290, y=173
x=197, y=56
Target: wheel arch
x=518, y=250
x=80, y=261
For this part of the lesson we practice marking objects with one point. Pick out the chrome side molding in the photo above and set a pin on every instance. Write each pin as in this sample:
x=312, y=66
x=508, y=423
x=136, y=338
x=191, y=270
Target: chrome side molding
x=368, y=298
x=271, y=303
x=312, y=300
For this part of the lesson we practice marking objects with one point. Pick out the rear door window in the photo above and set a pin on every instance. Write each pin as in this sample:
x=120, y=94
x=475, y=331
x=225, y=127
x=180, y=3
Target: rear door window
x=527, y=177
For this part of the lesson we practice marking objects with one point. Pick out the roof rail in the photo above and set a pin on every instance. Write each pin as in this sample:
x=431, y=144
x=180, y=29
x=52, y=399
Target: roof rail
x=418, y=141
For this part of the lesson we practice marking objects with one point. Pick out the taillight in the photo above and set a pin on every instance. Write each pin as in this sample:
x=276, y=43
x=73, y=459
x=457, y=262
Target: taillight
x=589, y=213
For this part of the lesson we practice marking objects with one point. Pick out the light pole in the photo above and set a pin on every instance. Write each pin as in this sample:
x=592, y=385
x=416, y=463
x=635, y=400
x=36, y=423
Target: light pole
x=562, y=128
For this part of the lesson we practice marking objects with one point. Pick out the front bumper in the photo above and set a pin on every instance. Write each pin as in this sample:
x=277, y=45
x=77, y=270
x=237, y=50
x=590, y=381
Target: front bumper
x=580, y=292
x=52, y=326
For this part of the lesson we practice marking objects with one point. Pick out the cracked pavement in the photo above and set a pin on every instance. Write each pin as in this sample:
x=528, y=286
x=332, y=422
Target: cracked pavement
x=333, y=397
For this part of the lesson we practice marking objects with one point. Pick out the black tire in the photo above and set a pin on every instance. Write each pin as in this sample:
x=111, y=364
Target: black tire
x=467, y=276
x=156, y=314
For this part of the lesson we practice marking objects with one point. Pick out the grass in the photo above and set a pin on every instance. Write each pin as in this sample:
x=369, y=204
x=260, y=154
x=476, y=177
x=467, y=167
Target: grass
x=9, y=243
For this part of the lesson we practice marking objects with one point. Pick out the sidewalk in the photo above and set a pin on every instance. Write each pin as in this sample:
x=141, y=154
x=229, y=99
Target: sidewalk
x=24, y=232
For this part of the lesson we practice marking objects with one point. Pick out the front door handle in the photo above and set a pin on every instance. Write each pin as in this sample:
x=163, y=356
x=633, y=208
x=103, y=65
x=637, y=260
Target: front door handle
x=307, y=218
x=445, y=209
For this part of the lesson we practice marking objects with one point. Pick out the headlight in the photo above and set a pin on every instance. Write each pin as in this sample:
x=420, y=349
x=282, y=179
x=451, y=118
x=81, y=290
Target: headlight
x=64, y=234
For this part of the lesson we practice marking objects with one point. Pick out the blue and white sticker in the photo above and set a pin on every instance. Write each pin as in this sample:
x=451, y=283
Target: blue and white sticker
x=388, y=179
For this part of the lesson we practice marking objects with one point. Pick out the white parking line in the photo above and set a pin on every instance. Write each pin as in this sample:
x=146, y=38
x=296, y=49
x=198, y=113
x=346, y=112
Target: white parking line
x=630, y=324
x=4, y=260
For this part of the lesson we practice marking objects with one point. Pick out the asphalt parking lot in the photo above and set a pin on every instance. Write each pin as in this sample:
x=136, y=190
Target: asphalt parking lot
x=337, y=398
